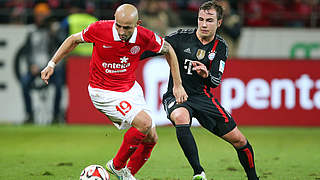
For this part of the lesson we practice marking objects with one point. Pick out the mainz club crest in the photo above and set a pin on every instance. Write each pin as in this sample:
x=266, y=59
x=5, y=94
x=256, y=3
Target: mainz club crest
x=135, y=49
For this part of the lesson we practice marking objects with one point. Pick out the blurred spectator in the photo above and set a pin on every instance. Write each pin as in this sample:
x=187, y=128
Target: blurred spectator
x=157, y=16
x=257, y=15
x=18, y=11
x=75, y=22
x=174, y=18
x=299, y=12
x=230, y=29
x=38, y=48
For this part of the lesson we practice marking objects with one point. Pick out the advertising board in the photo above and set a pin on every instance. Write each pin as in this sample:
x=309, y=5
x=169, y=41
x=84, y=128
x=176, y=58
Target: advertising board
x=255, y=91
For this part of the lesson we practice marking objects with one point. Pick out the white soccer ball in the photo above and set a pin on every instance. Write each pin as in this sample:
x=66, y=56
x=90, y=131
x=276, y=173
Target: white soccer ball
x=94, y=172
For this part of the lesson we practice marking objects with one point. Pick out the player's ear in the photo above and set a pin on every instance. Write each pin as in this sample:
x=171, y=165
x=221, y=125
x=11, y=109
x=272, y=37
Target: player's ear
x=139, y=22
x=219, y=22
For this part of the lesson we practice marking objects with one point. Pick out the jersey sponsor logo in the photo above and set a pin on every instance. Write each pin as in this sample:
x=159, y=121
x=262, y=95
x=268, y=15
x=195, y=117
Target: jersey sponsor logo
x=187, y=50
x=212, y=55
x=221, y=66
x=117, y=67
x=200, y=54
x=188, y=66
x=124, y=59
x=104, y=46
x=135, y=49
x=158, y=39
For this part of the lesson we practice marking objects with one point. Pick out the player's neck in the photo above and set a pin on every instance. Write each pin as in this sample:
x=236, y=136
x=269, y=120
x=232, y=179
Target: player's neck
x=205, y=40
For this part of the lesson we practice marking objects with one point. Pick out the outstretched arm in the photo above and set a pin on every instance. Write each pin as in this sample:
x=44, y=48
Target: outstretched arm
x=178, y=90
x=66, y=47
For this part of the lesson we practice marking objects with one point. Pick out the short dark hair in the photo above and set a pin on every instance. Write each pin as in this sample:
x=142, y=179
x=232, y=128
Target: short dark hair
x=213, y=5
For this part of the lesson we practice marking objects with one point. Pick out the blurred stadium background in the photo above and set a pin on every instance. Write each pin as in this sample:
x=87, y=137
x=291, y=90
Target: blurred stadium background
x=272, y=79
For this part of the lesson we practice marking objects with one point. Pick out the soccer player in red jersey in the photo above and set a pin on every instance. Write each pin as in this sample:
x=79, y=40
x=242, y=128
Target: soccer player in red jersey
x=117, y=47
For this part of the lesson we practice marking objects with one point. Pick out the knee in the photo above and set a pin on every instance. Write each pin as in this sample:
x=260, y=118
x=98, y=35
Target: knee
x=143, y=124
x=180, y=117
x=239, y=142
x=146, y=126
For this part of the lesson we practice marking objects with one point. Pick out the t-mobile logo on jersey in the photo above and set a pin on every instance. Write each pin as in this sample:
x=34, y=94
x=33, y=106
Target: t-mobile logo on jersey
x=117, y=67
x=188, y=66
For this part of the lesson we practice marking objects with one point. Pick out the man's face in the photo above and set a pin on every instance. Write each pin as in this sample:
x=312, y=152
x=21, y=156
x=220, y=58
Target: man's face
x=208, y=23
x=125, y=29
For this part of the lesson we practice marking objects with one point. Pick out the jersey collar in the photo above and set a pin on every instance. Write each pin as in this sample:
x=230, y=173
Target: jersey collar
x=116, y=35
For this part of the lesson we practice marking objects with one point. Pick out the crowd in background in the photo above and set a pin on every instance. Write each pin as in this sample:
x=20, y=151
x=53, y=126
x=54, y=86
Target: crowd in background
x=254, y=13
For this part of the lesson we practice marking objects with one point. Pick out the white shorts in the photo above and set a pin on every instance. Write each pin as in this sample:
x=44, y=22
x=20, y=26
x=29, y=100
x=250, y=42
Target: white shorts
x=120, y=107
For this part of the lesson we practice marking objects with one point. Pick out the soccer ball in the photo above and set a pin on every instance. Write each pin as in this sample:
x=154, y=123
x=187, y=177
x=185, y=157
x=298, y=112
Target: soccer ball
x=94, y=172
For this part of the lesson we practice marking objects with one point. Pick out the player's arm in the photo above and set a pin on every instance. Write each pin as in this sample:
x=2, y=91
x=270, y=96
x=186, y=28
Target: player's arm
x=178, y=90
x=212, y=78
x=66, y=47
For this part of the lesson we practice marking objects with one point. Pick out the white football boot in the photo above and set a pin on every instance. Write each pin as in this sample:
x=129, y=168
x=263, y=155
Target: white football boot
x=122, y=174
x=201, y=176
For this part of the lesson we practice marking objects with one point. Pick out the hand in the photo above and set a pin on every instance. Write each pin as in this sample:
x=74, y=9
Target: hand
x=180, y=94
x=200, y=68
x=46, y=73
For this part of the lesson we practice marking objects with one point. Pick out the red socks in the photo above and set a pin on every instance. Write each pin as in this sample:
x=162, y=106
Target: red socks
x=139, y=157
x=130, y=143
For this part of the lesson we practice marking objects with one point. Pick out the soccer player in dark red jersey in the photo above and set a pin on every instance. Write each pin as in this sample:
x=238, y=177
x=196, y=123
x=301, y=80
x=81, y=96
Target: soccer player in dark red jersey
x=202, y=55
x=113, y=89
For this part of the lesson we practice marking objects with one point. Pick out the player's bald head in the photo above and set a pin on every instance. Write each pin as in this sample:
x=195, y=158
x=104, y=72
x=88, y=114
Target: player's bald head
x=127, y=13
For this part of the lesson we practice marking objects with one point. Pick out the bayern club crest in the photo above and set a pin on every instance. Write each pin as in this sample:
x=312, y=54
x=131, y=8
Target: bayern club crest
x=135, y=49
x=211, y=56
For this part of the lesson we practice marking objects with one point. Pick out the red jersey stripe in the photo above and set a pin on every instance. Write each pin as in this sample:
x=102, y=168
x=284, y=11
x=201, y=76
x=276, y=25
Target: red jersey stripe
x=213, y=49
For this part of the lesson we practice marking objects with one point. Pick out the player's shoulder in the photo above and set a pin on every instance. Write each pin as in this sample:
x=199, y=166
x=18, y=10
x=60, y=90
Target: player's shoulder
x=222, y=45
x=144, y=32
x=145, y=35
x=182, y=33
x=222, y=42
x=103, y=23
x=101, y=27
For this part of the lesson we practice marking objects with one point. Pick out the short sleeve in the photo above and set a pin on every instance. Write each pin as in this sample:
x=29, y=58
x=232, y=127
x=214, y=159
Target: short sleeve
x=220, y=59
x=156, y=43
x=218, y=65
x=172, y=39
x=88, y=34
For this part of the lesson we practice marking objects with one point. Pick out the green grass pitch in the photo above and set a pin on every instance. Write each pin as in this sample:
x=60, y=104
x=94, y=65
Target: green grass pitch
x=61, y=152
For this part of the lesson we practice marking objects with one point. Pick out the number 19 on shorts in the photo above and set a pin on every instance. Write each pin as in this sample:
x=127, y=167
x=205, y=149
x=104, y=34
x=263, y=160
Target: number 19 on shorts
x=124, y=107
